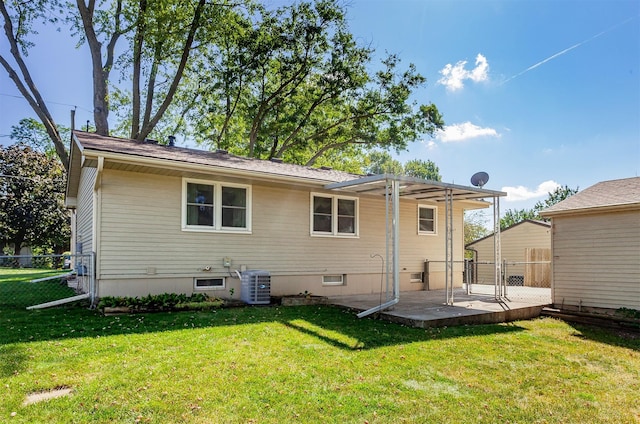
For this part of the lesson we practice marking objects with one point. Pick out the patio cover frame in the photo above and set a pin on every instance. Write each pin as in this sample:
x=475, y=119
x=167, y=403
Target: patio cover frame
x=393, y=187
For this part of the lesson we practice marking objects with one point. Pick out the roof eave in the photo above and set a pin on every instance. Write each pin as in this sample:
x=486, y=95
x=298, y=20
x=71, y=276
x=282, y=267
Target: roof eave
x=592, y=209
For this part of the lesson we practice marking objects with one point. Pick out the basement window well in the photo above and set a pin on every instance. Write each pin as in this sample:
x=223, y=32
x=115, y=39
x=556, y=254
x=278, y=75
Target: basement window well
x=209, y=283
x=333, y=280
x=416, y=277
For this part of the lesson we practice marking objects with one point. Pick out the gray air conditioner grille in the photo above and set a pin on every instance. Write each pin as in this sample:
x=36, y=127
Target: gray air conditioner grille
x=256, y=287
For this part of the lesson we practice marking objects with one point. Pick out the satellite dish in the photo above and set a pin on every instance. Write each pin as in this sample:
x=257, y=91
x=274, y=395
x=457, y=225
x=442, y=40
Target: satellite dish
x=479, y=179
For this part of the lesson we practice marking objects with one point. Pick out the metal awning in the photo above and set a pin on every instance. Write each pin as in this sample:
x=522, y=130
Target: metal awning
x=414, y=188
x=392, y=187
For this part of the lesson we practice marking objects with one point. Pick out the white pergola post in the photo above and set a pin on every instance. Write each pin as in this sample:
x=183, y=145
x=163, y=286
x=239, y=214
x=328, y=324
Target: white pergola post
x=497, y=249
x=395, y=260
x=419, y=190
x=448, y=278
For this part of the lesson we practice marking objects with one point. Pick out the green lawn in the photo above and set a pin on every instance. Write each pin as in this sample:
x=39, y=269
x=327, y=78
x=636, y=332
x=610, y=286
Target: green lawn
x=309, y=364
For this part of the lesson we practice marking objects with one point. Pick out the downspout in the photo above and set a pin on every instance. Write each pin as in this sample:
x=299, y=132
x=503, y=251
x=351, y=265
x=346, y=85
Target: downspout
x=100, y=167
x=395, y=196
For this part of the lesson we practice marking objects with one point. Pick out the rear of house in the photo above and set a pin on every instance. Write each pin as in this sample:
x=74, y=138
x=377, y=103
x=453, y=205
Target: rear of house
x=525, y=247
x=168, y=219
x=596, y=247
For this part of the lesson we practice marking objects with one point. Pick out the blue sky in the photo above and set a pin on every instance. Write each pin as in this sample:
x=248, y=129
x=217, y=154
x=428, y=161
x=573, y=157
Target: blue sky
x=535, y=93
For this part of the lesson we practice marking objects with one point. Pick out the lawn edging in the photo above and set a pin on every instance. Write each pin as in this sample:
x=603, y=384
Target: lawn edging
x=601, y=320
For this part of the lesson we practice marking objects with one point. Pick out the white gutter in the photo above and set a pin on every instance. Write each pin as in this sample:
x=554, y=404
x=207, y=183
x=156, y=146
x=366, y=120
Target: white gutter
x=395, y=196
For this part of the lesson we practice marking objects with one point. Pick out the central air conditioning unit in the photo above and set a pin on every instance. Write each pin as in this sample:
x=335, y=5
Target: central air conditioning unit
x=256, y=287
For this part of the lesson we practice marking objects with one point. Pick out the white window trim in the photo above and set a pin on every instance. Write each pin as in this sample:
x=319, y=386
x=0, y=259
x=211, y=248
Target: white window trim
x=334, y=216
x=217, y=207
x=435, y=220
x=222, y=287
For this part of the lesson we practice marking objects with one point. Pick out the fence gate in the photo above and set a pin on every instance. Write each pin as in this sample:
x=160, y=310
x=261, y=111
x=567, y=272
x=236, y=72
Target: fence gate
x=42, y=281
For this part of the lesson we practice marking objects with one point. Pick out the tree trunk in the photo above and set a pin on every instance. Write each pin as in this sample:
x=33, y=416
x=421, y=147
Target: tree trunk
x=18, y=241
x=100, y=71
x=100, y=89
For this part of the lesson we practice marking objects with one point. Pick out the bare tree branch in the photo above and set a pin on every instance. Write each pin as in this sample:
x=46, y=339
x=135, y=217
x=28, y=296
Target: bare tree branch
x=30, y=91
x=195, y=24
x=137, y=63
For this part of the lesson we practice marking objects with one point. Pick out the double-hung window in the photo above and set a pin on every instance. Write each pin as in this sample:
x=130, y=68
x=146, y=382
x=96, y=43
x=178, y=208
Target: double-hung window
x=334, y=215
x=427, y=219
x=214, y=206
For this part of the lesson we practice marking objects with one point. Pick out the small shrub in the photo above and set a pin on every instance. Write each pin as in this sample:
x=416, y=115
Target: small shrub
x=629, y=313
x=160, y=302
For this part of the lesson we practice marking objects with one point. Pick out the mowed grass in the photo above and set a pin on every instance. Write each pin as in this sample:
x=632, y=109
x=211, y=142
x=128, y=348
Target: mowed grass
x=309, y=364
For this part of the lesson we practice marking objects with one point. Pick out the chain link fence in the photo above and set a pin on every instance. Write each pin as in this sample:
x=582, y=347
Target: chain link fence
x=519, y=280
x=41, y=281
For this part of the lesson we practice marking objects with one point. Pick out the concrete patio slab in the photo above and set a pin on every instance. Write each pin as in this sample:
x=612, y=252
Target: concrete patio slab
x=429, y=309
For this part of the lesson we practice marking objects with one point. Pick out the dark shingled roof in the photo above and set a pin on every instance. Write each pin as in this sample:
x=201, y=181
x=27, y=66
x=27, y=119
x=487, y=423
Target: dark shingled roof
x=151, y=150
x=624, y=192
x=116, y=150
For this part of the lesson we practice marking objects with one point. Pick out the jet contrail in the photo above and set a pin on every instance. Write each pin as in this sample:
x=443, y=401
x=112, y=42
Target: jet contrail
x=560, y=53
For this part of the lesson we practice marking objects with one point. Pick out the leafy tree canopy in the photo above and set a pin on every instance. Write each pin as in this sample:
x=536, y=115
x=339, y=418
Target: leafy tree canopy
x=32, y=212
x=474, y=228
x=512, y=217
x=291, y=83
x=32, y=133
x=382, y=163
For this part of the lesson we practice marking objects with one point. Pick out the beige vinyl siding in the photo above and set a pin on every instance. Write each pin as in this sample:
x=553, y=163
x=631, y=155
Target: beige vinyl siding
x=84, y=212
x=596, y=260
x=514, y=243
x=141, y=237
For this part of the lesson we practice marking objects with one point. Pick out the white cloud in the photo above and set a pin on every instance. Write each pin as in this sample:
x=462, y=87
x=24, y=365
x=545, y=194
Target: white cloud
x=516, y=194
x=429, y=144
x=481, y=71
x=453, y=76
x=464, y=131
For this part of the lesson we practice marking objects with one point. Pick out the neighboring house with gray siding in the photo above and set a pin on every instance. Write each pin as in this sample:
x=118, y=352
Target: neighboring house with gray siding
x=170, y=219
x=596, y=247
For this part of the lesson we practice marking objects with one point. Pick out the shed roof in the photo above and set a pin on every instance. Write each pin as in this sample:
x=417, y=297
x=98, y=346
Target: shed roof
x=605, y=195
x=535, y=222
